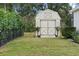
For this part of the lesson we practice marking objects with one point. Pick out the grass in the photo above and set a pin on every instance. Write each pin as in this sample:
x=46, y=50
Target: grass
x=28, y=45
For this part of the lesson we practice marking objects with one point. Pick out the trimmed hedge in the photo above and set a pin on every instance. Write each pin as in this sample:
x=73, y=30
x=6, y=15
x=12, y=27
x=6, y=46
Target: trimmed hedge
x=11, y=26
x=68, y=32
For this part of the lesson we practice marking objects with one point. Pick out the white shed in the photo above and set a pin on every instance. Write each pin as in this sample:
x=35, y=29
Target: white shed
x=48, y=20
x=75, y=13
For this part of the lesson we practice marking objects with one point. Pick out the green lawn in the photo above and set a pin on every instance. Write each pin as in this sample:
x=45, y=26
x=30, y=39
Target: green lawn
x=28, y=45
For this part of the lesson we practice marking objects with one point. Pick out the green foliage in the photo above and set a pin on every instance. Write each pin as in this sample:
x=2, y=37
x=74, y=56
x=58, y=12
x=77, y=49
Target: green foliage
x=30, y=26
x=76, y=38
x=14, y=21
x=9, y=21
x=68, y=32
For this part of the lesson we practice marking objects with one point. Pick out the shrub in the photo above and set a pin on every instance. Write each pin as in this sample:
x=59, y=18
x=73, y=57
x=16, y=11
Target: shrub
x=30, y=26
x=11, y=25
x=68, y=32
x=76, y=37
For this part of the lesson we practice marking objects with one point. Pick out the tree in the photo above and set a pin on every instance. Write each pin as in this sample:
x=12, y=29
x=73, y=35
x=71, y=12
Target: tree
x=28, y=13
x=6, y=6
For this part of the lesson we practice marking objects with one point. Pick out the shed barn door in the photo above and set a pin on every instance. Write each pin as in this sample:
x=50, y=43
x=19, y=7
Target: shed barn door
x=48, y=27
